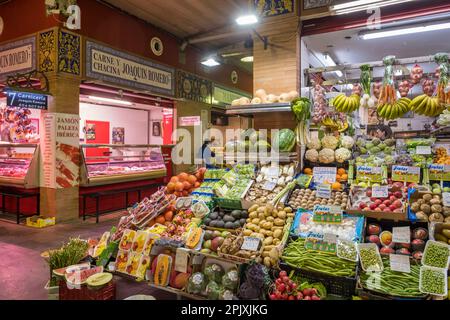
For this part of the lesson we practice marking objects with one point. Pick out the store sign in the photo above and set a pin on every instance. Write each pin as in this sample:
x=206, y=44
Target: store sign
x=224, y=96
x=17, y=57
x=406, y=174
x=369, y=173
x=439, y=172
x=26, y=100
x=190, y=121
x=122, y=68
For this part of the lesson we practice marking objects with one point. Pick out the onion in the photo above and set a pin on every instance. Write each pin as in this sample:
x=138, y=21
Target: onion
x=261, y=93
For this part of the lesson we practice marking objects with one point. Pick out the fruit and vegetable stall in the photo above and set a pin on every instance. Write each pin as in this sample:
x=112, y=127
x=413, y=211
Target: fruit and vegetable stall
x=340, y=215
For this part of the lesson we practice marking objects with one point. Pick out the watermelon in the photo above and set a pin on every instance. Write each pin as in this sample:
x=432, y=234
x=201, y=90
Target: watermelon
x=284, y=141
x=80, y=277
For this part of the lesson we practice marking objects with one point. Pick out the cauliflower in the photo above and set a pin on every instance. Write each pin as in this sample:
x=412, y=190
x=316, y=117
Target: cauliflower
x=330, y=142
x=314, y=144
x=347, y=142
x=312, y=155
x=326, y=156
x=342, y=155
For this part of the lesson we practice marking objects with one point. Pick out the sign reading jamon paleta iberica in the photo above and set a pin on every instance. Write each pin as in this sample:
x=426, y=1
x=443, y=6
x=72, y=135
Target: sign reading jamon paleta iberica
x=118, y=67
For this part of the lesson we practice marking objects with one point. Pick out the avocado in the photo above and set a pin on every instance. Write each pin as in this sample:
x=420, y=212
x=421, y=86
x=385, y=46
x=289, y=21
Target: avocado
x=244, y=214
x=229, y=225
x=221, y=213
x=242, y=222
x=213, y=224
x=207, y=221
x=237, y=224
x=220, y=224
x=228, y=218
x=213, y=216
x=236, y=214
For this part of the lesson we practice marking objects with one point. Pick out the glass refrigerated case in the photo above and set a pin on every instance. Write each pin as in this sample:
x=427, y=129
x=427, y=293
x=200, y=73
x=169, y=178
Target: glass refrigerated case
x=108, y=164
x=19, y=165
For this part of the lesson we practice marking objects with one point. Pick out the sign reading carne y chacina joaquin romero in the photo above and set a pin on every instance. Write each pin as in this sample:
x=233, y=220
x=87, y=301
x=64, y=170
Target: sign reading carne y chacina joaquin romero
x=118, y=67
x=17, y=57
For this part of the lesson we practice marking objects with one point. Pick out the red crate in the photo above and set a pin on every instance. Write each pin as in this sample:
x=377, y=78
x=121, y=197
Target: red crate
x=108, y=292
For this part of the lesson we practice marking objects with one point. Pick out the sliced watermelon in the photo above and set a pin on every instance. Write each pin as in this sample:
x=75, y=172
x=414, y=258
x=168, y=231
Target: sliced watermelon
x=78, y=267
x=80, y=277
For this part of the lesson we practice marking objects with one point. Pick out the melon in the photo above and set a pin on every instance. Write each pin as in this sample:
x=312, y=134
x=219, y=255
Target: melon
x=181, y=280
x=79, y=277
x=99, y=280
x=284, y=141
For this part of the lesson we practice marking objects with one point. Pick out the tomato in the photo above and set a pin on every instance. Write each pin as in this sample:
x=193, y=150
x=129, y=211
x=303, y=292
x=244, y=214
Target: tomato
x=283, y=274
x=273, y=297
x=281, y=288
x=291, y=298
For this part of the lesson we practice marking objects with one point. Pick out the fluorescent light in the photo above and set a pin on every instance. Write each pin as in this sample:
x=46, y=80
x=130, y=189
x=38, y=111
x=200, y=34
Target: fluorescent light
x=352, y=6
x=329, y=62
x=247, y=59
x=246, y=20
x=211, y=62
x=116, y=101
x=403, y=31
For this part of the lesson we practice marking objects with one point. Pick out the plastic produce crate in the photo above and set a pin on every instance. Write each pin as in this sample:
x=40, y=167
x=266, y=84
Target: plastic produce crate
x=340, y=286
x=108, y=292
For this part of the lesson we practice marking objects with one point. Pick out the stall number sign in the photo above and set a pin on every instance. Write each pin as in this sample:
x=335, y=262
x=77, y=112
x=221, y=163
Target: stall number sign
x=327, y=214
x=368, y=173
x=26, y=100
x=251, y=244
x=406, y=174
x=401, y=235
x=400, y=263
x=324, y=175
x=425, y=150
x=319, y=242
x=380, y=191
x=439, y=172
x=323, y=191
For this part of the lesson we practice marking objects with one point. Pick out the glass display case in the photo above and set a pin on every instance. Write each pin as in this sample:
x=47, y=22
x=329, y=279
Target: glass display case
x=19, y=165
x=107, y=164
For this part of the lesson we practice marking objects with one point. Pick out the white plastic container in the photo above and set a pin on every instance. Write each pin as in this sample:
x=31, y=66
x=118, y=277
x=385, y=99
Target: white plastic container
x=438, y=244
x=373, y=247
x=348, y=243
x=445, y=281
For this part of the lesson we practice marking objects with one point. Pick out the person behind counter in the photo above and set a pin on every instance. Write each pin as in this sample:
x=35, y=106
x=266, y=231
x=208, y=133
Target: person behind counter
x=207, y=154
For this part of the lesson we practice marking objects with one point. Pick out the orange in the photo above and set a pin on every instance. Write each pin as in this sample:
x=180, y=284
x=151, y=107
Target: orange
x=308, y=171
x=160, y=220
x=336, y=186
x=341, y=171
x=338, y=177
x=344, y=177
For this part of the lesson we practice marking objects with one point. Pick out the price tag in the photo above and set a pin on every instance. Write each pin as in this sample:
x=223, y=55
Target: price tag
x=446, y=199
x=269, y=186
x=324, y=174
x=400, y=263
x=368, y=173
x=251, y=244
x=323, y=191
x=425, y=150
x=273, y=172
x=401, y=235
x=380, y=191
x=327, y=214
x=181, y=260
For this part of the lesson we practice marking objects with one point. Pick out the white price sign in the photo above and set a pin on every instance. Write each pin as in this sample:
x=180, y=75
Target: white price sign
x=425, y=150
x=269, y=186
x=273, y=172
x=324, y=174
x=323, y=191
x=400, y=263
x=446, y=199
x=401, y=235
x=251, y=244
x=380, y=191
x=181, y=260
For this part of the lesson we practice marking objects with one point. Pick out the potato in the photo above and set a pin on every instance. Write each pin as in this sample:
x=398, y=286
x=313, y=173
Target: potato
x=288, y=210
x=267, y=262
x=278, y=222
x=274, y=254
x=425, y=208
x=261, y=223
x=282, y=215
x=265, y=254
x=261, y=209
x=256, y=221
x=268, y=248
x=278, y=234
x=256, y=229
x=268, y=225
x=263, y=232
x=247, y=232
x=253, y=208
x=291, y=215
x=276, y=241
x=436, y=208
x=270, y=219
x=275, y=214
x=268, y=241
x=253, y=215
x=261, y=216
x=254, y=235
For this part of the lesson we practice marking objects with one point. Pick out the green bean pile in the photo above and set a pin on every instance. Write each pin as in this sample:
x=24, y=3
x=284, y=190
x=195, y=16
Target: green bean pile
x=393, y=283
x=296, y=256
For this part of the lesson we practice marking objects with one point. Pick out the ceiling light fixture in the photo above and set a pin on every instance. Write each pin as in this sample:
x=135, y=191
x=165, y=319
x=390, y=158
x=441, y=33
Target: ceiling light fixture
x=363, y=5
x=115, y=101
x=329, y=62
x=210, y=62
x=403, y=31
x=247, y=20
x=247, y=59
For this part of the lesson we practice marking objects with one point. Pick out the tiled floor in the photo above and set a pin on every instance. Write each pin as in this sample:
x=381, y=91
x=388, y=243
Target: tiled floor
x=23, y=273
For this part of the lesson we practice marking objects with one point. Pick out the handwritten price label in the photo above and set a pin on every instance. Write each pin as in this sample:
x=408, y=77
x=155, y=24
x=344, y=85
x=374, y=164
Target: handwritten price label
x=324, y=174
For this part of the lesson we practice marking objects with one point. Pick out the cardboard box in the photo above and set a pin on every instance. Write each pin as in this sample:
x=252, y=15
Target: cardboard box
x=40, y=222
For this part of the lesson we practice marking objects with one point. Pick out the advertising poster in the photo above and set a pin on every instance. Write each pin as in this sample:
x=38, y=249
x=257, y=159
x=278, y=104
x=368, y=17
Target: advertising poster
x=118, y=136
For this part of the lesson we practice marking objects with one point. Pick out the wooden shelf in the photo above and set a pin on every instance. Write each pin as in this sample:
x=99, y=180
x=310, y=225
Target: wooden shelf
x=258, y=108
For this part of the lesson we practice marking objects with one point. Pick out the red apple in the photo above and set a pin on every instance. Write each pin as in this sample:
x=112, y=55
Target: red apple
x=392, y=208
x=398, y=195
x=374, y=239
x=387, y=210
x=387, y=250
x=387, y=203
x=373, y=206
x=374, y=229
x=398, y=204
x=378, y=209
x=373, y=199
x=392, y=198
x=398, y=210
x=369, y=193
x=367, y=209
x=378, y=202
x=382, y=207
x=362, y=205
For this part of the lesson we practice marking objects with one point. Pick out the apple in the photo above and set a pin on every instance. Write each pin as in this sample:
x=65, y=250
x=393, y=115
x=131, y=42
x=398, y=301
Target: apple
x=398, y=210
x=362, y=205
x=373, y=199
x=387, y=203
x=390, y=194
x=367, y=209
x=392, y=208
x=382, y=207
x=373, y=206
x=386, y=250
x=392, y=198
x=397, y=203
x=398, y=195
x=374, y=239
x=369, y=193
x=378, y=202
x=374, y=229
x=378, y=209
x=387, y=210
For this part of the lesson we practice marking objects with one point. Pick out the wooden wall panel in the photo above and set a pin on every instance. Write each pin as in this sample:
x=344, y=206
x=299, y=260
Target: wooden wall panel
x=274, y=120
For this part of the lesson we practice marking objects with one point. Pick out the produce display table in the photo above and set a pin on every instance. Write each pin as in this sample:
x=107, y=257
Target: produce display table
x=108, y=292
